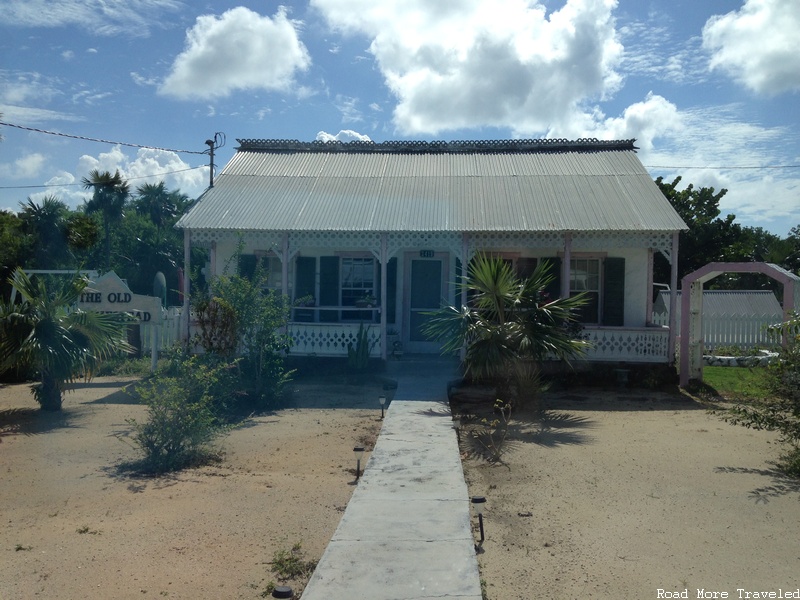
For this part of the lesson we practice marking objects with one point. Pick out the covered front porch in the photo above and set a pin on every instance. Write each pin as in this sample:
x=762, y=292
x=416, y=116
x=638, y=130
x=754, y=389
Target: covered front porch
x=385, y=283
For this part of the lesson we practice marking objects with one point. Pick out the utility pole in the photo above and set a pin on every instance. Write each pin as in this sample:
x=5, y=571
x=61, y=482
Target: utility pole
x=210, y=144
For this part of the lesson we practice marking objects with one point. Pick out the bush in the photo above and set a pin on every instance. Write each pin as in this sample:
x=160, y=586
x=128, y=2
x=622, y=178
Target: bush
x=184, y=410
x=241, y=317
x=781, y=411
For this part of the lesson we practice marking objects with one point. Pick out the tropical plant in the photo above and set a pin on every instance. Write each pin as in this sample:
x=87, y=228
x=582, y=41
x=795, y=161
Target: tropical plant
x=358, y=353
x=239, y=309
x=161, y=205
x=509, y=322
x=781, y=410
x=108, y=199
x=185, y=406
x=45, y=222
x=45, y=333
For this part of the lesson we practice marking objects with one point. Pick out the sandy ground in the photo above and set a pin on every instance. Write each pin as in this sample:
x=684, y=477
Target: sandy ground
x=72, y=527
x=616, y=494
x=620, y=494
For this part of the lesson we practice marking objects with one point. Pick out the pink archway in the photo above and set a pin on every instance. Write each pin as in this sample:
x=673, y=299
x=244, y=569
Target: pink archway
x=691, y=360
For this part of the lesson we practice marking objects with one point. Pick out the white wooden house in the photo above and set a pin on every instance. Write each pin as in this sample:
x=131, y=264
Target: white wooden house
x=378, y=233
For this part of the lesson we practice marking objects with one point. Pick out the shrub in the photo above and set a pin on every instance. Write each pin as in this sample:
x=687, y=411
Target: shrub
x=781, y=411
x=241, y=316
x=183, y=416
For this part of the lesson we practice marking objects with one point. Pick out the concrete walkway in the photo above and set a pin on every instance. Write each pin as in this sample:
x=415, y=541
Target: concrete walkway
x=406, y=532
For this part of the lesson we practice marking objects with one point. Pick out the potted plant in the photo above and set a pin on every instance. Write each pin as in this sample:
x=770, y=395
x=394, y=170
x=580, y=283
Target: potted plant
x=366, y=301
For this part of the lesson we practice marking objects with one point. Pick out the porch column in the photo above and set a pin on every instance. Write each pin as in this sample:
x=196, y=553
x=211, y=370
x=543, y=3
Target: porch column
x=648, y=314
x=187, y=266
x=384, y=303
x=462, y=296
x=673, y=299
x=213, y=260
x=565, y=265
x=285, y=265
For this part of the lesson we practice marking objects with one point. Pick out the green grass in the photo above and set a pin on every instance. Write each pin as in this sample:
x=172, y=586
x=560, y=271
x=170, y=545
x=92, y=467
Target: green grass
x=736, y=383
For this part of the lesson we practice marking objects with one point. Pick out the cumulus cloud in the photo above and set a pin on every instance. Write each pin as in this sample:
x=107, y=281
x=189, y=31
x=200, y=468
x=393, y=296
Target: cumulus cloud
x=27, y=165
x=239, y=50
x=758, y=45
x=345, y=135
x=506, y=63
x=148, y=166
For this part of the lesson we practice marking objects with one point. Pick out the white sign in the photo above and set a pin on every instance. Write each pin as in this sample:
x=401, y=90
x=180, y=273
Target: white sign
x=110, y=294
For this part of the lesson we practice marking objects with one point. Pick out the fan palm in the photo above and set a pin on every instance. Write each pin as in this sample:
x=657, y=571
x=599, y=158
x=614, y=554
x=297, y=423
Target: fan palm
x=43, y=332
x=508, y=322
x=108, y=198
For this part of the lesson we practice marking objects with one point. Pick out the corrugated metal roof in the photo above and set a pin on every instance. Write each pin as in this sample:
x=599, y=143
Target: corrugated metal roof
x=460, y=186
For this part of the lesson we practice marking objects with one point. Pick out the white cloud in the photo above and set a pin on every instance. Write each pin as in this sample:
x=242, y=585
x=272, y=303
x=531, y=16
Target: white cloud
x=67, y=55
x=98, y=17
x=240, y=50
x=758, y=45
x=345, y=135
x=148, y=166
x=473, y=63
x=28, y=165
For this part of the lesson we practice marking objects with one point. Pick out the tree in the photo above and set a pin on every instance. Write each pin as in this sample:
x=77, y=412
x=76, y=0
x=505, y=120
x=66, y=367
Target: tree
x=108, y=199
x=43, y=332
x=510, y=323
x=709, y=238
x=13, y=251
x=45, y=223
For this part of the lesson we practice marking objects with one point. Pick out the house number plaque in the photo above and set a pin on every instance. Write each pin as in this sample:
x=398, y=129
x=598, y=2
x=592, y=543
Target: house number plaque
x=426, y=253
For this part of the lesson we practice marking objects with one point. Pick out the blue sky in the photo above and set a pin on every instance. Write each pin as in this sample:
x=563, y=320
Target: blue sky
x=709, y=88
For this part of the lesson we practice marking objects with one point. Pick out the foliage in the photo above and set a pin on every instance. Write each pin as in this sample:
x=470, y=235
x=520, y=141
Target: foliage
x=291, y=564
x=510, y=320
x=491, y=434
x=241, y=309
x=108, y=198
x=44, y=333
x=358, y=354
x=711, y=238
x=185, y=404
x=14, y=252
x=781, y=410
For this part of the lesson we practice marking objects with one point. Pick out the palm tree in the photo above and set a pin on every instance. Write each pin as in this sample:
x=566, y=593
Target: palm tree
x=46, y=223
x=510, y=323
x=44, y=333
x=110, y=194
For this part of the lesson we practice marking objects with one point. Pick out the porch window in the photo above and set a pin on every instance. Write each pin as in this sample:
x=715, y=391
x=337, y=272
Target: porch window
x=357, y=285
x=603, y=278
x=585, y=278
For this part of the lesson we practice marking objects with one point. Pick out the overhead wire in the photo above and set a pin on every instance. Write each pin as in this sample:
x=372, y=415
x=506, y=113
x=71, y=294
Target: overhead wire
x=102, y=141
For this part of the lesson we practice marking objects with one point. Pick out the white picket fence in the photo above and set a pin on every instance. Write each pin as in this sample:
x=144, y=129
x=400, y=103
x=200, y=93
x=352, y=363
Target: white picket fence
x=168, y=330
x=743, y=331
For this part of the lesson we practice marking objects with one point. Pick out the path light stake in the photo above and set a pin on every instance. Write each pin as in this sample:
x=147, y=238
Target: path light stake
x=359, y=452
x=382, y=400
x=282, y=591
x=478, y=503
x=457, y=426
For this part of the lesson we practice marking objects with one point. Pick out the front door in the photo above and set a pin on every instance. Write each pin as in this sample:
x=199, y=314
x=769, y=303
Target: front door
x=424, y=293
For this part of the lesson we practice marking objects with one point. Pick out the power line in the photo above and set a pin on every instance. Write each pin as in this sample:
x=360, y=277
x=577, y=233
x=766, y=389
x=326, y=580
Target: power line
x=47, y=185
x=90, y=139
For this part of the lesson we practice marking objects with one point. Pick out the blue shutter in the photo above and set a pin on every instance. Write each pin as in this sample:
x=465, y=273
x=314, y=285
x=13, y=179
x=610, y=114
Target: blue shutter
x=614, y=292
x=329, y=288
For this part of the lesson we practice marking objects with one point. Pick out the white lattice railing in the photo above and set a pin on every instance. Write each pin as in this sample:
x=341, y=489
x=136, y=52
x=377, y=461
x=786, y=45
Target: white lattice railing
x=638, y=344
x=330, y=339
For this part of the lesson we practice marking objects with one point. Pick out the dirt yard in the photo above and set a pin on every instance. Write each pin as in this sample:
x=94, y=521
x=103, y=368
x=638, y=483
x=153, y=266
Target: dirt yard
x=72, y=527
x=623, y=494
x=615, y=495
